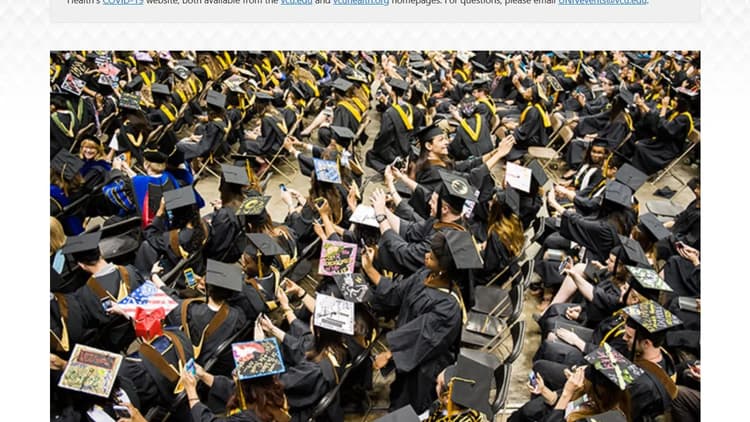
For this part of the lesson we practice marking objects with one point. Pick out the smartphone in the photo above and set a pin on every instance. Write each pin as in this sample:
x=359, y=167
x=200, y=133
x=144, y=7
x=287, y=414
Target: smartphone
x=123, y=157
x=190, y=367
x=679, y=245
x=190, y=278
x=121, y=411
x=282, y=187
x=532, y=379
x=319, y=202
x=564, y=264
x=106, y=304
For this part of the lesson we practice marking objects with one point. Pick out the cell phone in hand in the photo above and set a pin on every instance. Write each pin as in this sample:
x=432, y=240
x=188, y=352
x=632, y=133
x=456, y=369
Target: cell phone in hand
x=679, y=245
x=106, y=304
x=319, y=202
x=190, y=367
x=532, y=379
x=122, y=157
x=121, y=411
x=190, y=278
x=282, y=187
x=564, y=264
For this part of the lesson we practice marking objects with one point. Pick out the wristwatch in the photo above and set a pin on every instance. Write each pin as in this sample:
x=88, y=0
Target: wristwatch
x=380, y=218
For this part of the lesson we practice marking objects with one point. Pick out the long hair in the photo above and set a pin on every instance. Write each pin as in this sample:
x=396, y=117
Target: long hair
x=263, y=395
x=507, y=226
x=69, y=187
x=56, y=235
x=603, y=397
x=331, y=193
x=327, y=341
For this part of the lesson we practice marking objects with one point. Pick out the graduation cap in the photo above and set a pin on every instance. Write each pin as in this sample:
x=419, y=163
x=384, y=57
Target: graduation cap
x=561, y=55
x=633, y=251
x=130, y=101
x=327, y=171
x=261, y=96
x=334, y=314
x=626, y=95
x=463, y=250
x=537, y=172
x=611, y=416
x=455, y=189
x=398, y=85
x=427, y=133
x=260, y=358
x=179, y=198
x=235, y=175
x=617, y=193
x=160, y=89
x=613, y=365
x=651, y=224
x=253, y=206
x=84, y=247
x=647, y=279
x=479, y=66
x=470, y=385
x=182, y=72
x=631, y=177
x=261, y=244
x=589, y=72
x=216, y=99
x=143, y=56
x=66, y=164
x=227, y=276
x=186, y=63
x=422, y=88
x=353, y=287
x=464, y=56
x=341, y=85
x=155, y=155
x=651, y=316
x=483, y=83
x=365, y=215
x=299, y=91
x=343, y=135
x=405, y=414
x=602, y=142
x=510, y=198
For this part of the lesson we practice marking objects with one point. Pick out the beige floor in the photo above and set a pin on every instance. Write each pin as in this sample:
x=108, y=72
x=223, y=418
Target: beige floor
x=518, y=392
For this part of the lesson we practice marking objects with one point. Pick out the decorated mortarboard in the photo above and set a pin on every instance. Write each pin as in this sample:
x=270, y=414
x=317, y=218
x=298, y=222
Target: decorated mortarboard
x=235, y=175
x=537, y=171
x=66, y=164
x=463, y=250
x=253, y=205
x=82, y=244
x=653, y=226
x=470, y=385
x=227, y=276
x=518, y=177
x=353, y=287
x=341, y=85
x=260, y=358
x=143, y=56
x=216, y=99
x=343, y=135
x=73, y=84
x=633, y=251
x=356, y=76
x=611, y=416
x=404, y=414
x=234, y=83
x=365, y=215
x=589, y=72
x=427, y=133
x=327, y=171
x=631, y=177
x=648, y=279
x=510, y=198
x=337, y=257
x=398, y=84
x=179, y=198
x=616, y=367
x=160, y=89
x=334, y=314
x=263, y=244
x=618, y=193
x=464, y=56
x=651, y=316
x=455, y=189
x=91, y=371
x=130, y=101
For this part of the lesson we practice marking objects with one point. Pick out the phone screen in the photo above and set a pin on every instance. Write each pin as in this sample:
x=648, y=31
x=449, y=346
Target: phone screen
x=190, y=366
x=282, y=187
x=190, y=278
x=532, y=379
x=121, y=411
x=106, y=304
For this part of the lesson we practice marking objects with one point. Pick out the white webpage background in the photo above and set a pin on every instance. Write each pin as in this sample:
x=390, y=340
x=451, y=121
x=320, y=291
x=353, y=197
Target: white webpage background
x=27, y=37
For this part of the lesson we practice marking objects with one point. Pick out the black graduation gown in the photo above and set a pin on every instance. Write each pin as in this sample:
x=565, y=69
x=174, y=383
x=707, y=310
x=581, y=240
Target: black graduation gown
x=403, y=252
x=342, y=116
x=219, y=395
x=682, y=276
x=226, y=242
x=465, y=145
x=597, y=236
x=496, y=259
x=687, y=225
x=81, y=321
x=306, y=382
x=214, y=134
x=250, y=301
x=530, y=131
x=425, y=339
x=117, y=332
x=198, y=317
x=273, y=132
x=59, y=138
x=393, y=140
x=157, y=247
x=652, y=155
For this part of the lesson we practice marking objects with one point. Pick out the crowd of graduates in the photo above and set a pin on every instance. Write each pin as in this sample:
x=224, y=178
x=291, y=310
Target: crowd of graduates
x=422, y=200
